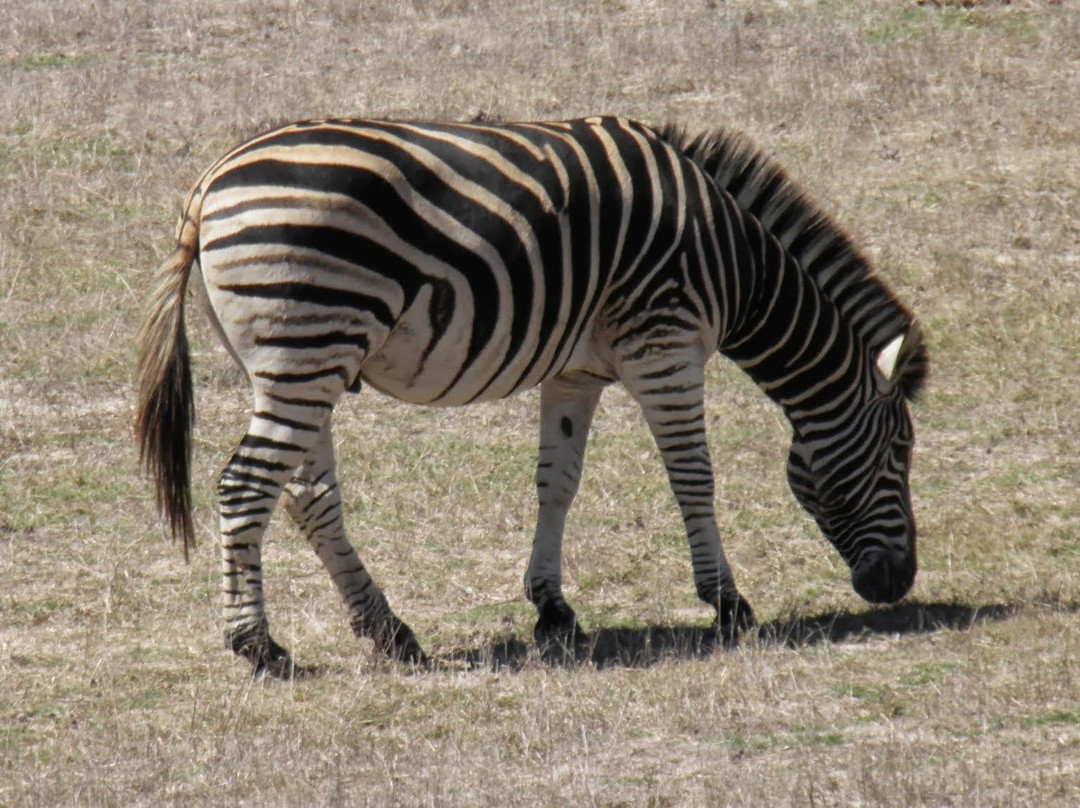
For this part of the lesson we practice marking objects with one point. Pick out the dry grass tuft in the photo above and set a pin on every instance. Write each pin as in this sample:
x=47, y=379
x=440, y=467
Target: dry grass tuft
x=945, y=137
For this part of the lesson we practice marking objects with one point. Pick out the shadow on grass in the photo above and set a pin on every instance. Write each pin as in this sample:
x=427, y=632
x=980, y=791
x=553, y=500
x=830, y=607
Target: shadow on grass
x=643, y=647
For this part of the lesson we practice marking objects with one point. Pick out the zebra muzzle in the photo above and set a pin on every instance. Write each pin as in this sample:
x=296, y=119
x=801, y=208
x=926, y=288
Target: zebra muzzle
x=884, y=577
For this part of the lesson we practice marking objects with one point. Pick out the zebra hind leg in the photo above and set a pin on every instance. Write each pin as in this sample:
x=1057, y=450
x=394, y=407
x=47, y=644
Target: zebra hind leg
x=566, y=410
x=313, y=500
x=248, y=489
x=670, y=391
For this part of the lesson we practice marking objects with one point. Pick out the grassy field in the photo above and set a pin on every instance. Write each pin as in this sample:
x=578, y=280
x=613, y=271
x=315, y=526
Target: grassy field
x=946, y=138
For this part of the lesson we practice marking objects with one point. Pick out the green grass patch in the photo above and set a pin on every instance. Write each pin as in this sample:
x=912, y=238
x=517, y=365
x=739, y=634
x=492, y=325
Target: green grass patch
x=1069, y=716
x=28, y=613
x=78, y=491
x=15, y=739
x=868, y=692
x=492, y=614
x=105, y=150
x=796, y=737
x=906, y=24
x=47, y=61
x=149, y=698
x=911, y=24
x=927, y=673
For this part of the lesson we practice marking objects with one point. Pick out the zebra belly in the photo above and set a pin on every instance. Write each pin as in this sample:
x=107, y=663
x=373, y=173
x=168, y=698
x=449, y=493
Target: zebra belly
x=425, y=362
x=425, y=357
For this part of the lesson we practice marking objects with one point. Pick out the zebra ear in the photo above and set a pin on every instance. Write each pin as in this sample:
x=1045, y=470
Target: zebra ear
x=903, y=362
x=886, y=361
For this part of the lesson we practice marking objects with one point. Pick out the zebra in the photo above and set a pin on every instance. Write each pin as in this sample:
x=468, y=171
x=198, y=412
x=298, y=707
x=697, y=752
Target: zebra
x=447, y=263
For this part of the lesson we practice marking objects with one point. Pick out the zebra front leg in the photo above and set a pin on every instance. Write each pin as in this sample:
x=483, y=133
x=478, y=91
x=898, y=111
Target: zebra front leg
x=566, y=411
x=670, y=390
x=313, y=500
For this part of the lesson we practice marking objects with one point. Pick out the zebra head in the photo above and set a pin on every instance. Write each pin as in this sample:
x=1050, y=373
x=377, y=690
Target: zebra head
x=851, y=473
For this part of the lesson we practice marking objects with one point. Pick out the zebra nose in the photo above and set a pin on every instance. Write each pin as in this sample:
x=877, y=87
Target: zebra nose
x=886, y=576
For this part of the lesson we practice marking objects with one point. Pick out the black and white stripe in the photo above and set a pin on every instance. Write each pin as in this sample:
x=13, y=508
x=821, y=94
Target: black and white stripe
x=449, y=263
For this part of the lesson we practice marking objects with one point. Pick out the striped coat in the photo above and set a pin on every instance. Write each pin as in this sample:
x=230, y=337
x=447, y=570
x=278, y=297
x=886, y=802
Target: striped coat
x=447, y=263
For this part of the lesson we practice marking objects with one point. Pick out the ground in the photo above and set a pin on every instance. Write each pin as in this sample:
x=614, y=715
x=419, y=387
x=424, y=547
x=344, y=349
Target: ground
x=946, y=137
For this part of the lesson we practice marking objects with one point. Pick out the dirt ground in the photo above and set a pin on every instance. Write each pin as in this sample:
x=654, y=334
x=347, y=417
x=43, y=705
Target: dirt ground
x=946, y=137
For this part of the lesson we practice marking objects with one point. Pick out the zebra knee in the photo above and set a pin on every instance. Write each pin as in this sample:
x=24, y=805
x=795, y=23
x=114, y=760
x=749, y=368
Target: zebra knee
x=237, y=487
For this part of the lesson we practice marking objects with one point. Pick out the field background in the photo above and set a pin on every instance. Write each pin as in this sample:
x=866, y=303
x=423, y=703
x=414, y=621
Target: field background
x=946, y=138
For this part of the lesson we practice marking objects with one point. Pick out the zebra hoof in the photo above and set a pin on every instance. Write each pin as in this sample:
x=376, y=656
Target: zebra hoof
x=559, y=637
x=399, y=644
x=733, y=616
x=268, y=659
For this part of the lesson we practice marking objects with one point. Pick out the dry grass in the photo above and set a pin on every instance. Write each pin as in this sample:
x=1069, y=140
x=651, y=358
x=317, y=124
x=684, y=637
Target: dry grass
x=947, y=138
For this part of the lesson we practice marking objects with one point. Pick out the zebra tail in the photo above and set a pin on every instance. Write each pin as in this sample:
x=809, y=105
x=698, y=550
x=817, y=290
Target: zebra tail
x=166, y=406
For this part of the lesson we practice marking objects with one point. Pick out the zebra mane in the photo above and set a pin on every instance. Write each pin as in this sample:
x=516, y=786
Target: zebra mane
x=762, y=188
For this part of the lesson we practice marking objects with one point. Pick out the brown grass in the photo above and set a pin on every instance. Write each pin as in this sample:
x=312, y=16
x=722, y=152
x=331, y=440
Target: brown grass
x=946, y=138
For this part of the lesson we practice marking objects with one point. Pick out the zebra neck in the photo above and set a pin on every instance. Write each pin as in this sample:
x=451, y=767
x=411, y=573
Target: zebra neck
x=789, y=337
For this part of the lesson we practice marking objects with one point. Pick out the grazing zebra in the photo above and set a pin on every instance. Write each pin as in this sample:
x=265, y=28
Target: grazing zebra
x=446, y=263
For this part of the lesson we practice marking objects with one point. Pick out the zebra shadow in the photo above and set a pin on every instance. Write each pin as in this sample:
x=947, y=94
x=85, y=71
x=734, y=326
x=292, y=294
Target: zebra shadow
x=644, y=647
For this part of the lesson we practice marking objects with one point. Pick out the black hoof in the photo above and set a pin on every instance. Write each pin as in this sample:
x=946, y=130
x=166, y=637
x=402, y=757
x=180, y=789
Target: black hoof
x=559, y=637
x=267, y=658
x=733, y=617
x=398, y=642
